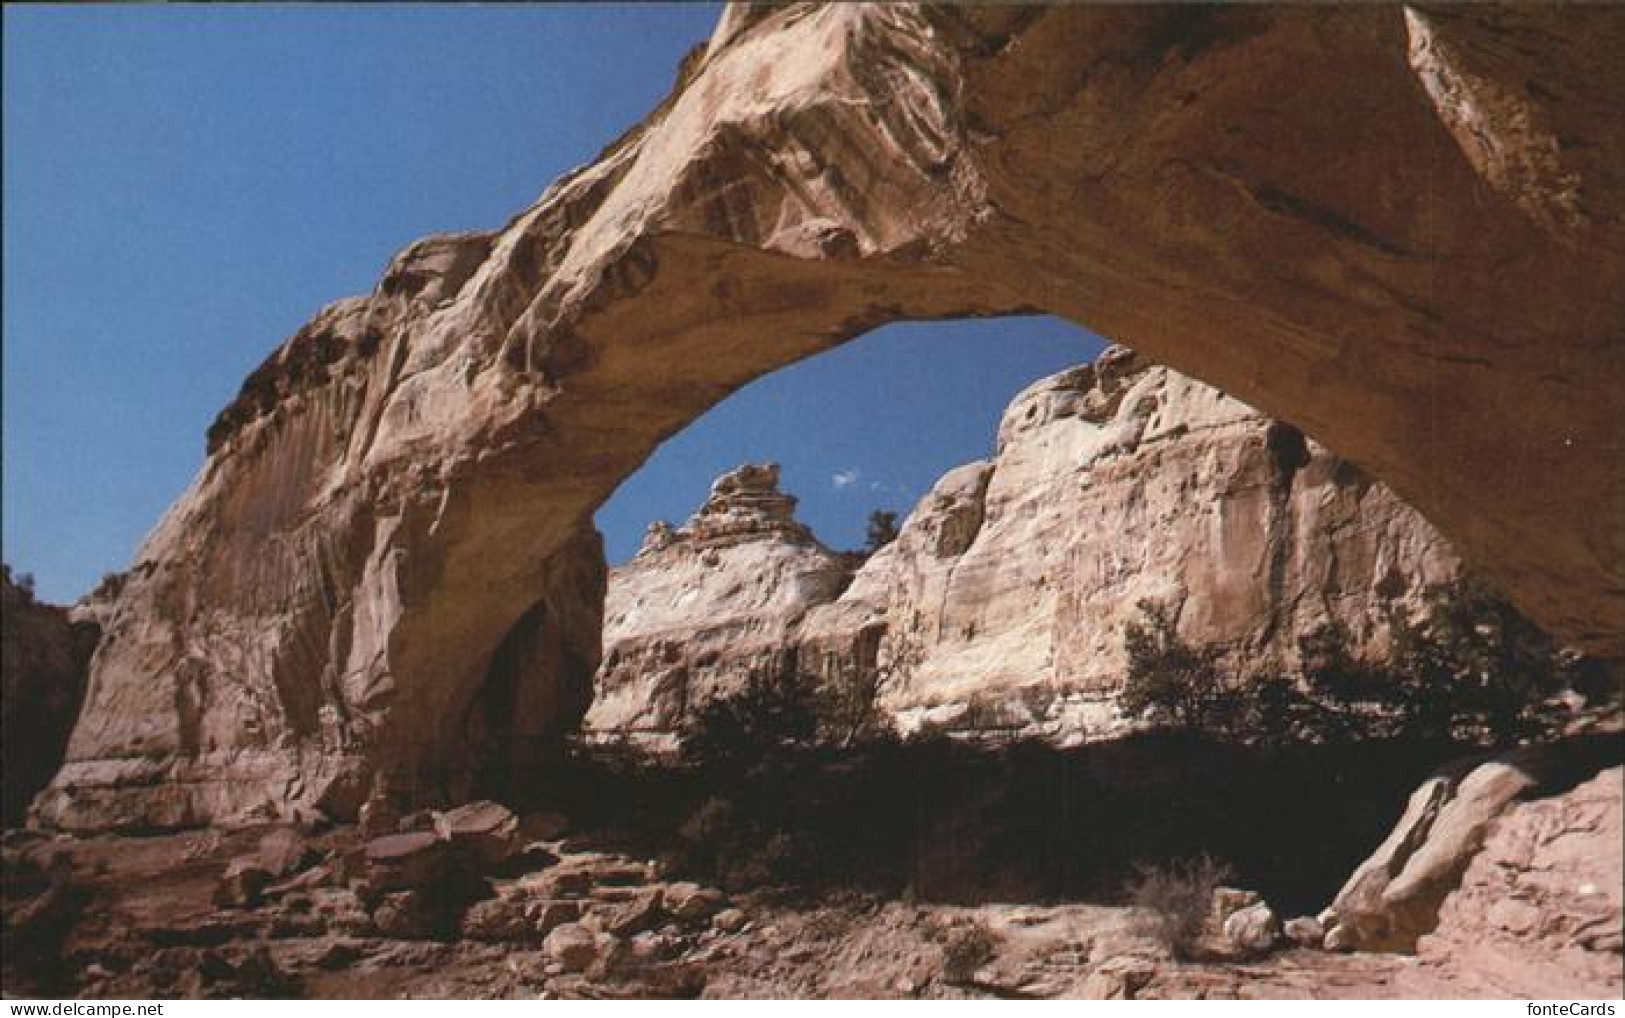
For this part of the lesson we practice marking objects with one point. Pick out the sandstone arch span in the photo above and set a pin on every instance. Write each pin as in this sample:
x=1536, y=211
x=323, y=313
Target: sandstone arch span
x=1399, y=228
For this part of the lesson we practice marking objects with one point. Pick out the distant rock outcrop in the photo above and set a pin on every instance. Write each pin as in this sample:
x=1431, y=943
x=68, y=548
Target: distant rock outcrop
x=46, y=656
x=705, y=606
x=1001, y=605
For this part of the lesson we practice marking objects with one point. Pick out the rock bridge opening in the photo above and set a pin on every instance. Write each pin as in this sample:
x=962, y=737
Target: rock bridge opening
x=1333, y=243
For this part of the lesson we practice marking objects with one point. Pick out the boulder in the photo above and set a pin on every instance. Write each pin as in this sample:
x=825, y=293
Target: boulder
x=572, y=946
x=1539, y=912
x=690, y=903
x=1305, y=931
x=500, y=920
x=1394, y=897
x=400, y=862
x=484, y=832
x=1227, y=901
x=1254, y=930
x=549, y=915
x=730, y=920
x=642, y=912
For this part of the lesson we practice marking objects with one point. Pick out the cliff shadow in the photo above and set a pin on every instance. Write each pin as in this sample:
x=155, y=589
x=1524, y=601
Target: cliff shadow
x=957, y=823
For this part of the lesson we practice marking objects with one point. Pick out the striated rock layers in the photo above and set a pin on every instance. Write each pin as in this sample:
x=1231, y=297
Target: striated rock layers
x=705, y=606
x=1504, y=876
x=1003, y=600
x=1400, y=228
x=46, y=651
x=1001, y=604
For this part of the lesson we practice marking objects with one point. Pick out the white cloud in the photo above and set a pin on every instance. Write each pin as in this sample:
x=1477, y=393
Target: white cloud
x=844, y=479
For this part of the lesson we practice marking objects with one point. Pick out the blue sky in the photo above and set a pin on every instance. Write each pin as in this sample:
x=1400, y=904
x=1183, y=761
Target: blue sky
x=184, y=186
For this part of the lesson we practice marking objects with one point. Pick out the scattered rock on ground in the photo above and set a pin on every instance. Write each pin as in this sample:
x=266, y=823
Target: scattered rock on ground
x=1304, y=931
x=485, y=832
x=573, y=946
x=1254, y=930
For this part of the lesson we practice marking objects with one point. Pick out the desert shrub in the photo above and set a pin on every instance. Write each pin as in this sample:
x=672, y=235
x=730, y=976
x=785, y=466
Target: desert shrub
x=1473, y=664
x=966, y=947
x=1466, y=667
x=1180, y=684
x=774, y=713
x=848, y=710
x=881, y=531
x=21, y=583
x=1178, y=897
x=743, y=846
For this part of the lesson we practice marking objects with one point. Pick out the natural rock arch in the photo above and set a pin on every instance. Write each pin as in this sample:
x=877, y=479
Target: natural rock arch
x=1400, y=229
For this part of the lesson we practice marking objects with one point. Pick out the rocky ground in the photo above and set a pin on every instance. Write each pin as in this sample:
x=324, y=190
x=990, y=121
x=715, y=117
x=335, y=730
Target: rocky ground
x=563, y=920
x=478, y=902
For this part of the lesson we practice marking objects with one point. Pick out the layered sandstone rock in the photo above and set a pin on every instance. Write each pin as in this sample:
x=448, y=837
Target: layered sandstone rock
x=705, y=607
x=46, y=653
x=1504, y=876
x=1411, y=244
x=1394, y=898
x=1002, y=603
x=1541, y=908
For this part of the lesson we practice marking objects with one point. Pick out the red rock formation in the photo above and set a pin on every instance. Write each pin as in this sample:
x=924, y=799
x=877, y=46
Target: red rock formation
x=1401, y=229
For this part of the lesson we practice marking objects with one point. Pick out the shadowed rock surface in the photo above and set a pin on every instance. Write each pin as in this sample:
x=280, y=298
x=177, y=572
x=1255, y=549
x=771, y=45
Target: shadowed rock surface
x=46, y=652
x=1399, y=229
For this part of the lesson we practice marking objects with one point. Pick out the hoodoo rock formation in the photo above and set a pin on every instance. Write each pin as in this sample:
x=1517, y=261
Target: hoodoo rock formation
x=705, y=606
x=1401, y=229
x=1001, y=604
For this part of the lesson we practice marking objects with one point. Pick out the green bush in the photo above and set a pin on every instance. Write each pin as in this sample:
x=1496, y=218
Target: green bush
x=1466, y=667
x=773, y=714
x=1179, y=684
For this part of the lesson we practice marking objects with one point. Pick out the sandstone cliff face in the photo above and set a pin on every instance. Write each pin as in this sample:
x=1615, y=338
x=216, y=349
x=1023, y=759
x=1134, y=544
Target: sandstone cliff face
x=45, y=655
x=1412, y=246
x=1004, y=598
x=1001, y=605
x=704, y=607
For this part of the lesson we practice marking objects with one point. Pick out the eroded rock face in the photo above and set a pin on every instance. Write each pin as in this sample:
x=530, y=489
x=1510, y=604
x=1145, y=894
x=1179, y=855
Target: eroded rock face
x=1411, y=246
x=1539, y=911
x=1473, y=857
x=46, y=653
x=1002, y=603
x=704, y=607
